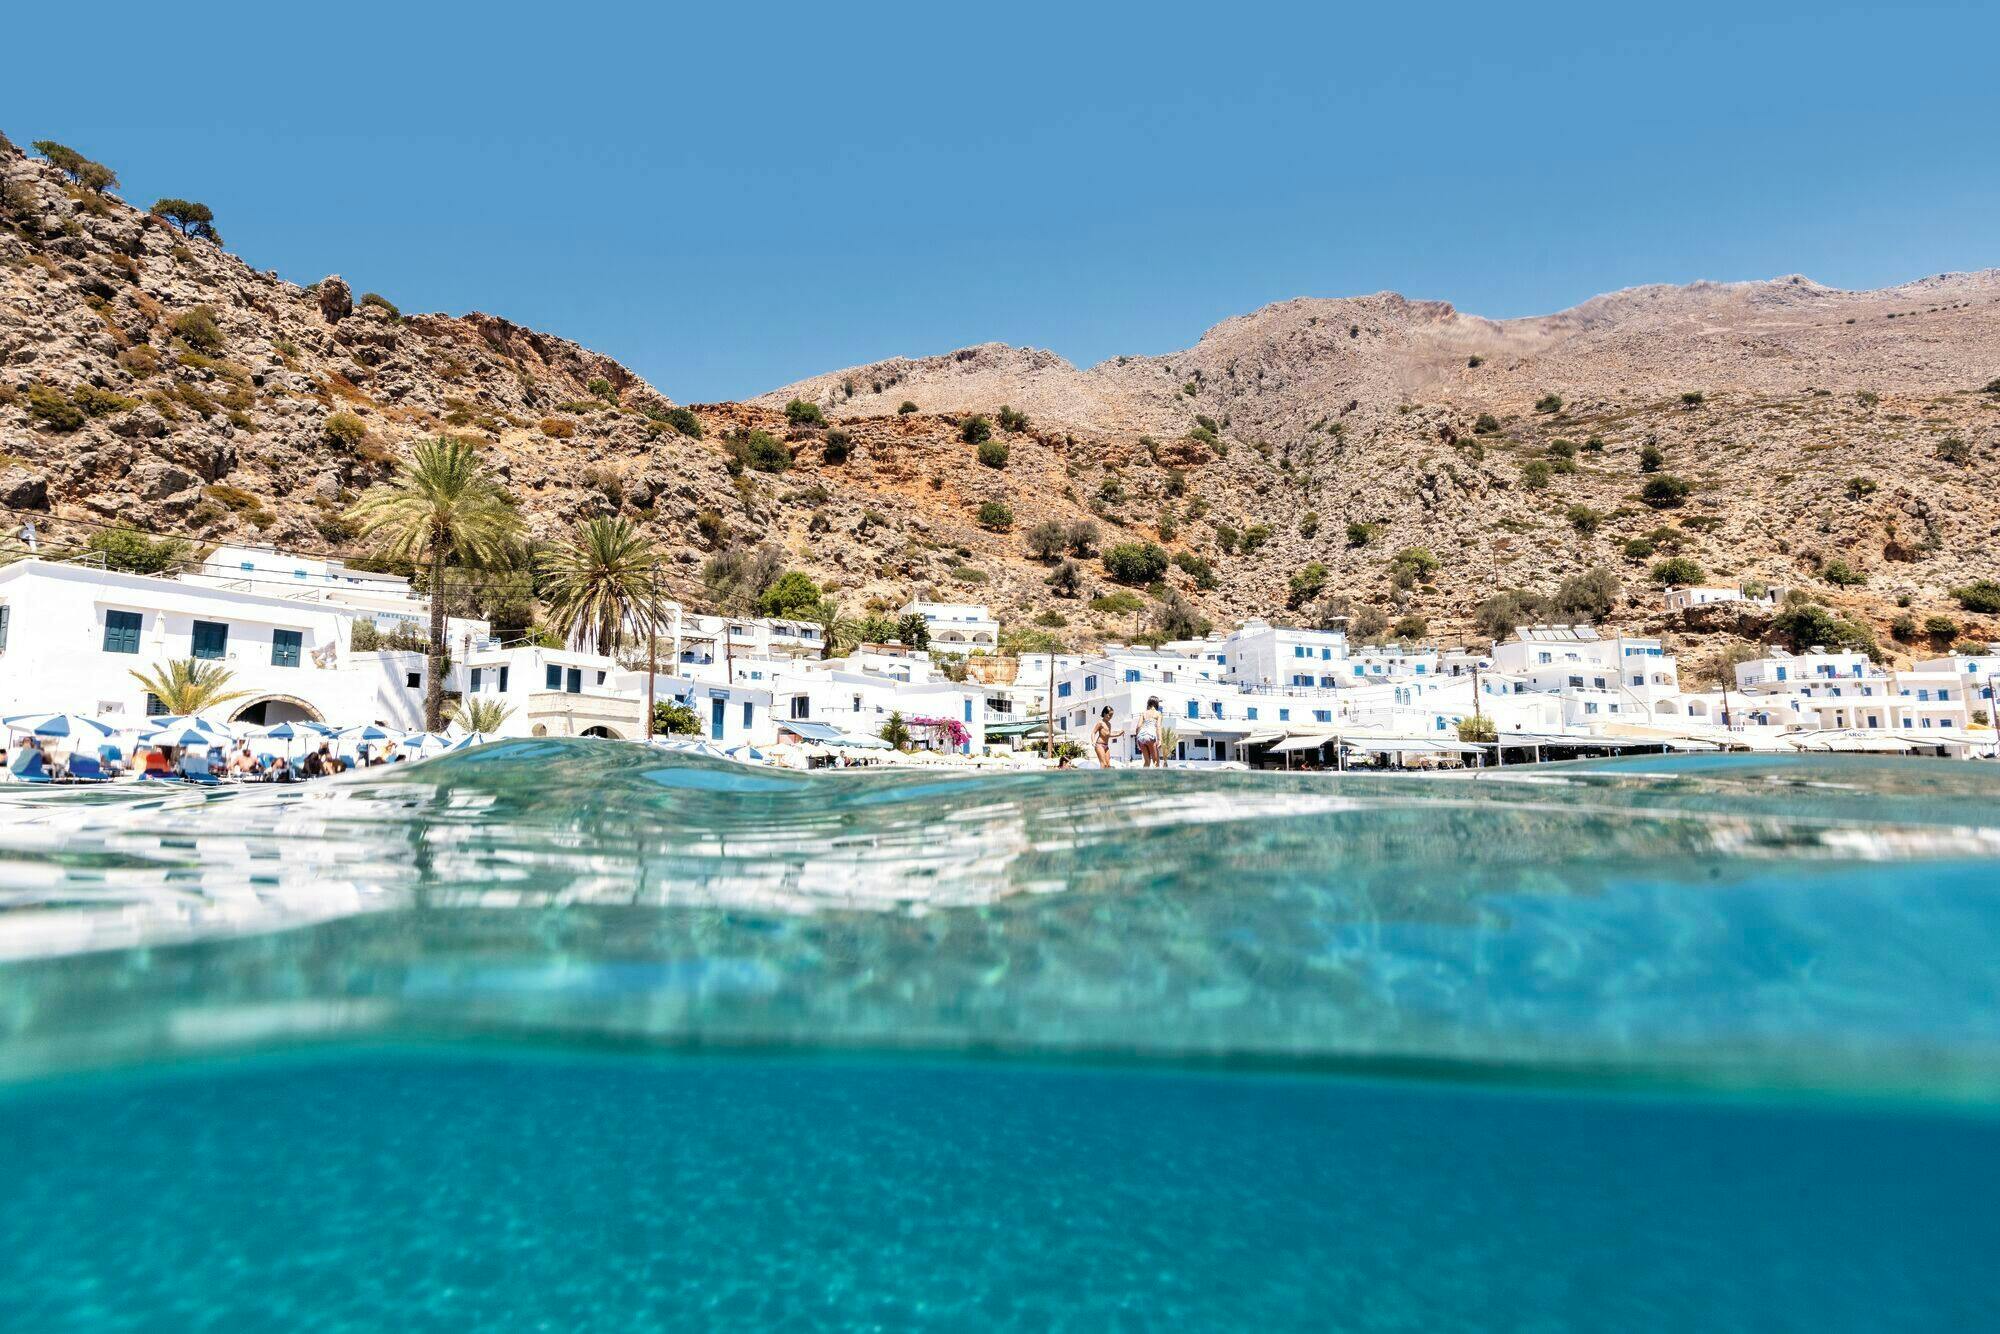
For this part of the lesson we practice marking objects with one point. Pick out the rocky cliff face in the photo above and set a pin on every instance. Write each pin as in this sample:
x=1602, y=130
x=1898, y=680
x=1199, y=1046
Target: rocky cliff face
x=152, y=378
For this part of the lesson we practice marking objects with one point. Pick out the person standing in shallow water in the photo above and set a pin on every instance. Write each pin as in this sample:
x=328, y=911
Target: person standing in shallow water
x=1147, y=734
x=1101, y=737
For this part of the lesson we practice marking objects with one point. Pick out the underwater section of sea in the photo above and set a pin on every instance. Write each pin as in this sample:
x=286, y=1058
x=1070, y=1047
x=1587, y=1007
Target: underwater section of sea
x=573, y=1035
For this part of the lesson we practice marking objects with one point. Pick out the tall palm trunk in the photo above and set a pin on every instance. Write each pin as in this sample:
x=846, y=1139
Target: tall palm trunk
x=434, y=668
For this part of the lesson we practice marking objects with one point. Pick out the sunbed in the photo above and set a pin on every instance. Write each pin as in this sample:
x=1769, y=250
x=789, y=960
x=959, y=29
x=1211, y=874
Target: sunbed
x=36, y=770
x=85, y=769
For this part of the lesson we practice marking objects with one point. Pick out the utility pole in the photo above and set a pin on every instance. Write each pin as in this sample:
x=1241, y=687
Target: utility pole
x=652, y=645
x=1049, y=722
x=1475, y=715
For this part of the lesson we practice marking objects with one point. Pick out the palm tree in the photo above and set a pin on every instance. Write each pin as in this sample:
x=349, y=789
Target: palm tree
x=480, y=715
x=187, y=687
x=600, y=582
x=444, y=506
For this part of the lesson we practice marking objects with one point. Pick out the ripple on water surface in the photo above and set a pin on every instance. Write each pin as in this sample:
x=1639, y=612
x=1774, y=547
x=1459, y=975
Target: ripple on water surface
x=1804, y=921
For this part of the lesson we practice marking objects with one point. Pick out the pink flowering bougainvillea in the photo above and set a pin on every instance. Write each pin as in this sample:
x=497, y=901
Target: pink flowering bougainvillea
x=949, y=731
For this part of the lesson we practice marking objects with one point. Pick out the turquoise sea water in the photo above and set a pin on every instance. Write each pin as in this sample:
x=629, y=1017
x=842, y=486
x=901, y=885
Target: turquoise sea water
x=568, y=1035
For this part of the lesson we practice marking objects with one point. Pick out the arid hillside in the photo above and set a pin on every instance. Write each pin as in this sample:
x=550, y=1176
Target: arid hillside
x=1843, y=444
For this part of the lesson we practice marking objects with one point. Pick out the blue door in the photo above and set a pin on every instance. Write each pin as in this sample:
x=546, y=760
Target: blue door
x=715, y=707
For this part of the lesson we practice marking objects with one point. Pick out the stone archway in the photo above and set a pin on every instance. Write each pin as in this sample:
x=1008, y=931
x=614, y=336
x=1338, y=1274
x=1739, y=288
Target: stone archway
x=605, y=733
x=270, y=710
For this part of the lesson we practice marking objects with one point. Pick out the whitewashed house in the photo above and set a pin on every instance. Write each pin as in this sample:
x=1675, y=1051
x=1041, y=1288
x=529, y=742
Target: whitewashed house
x=1601, y=679
x=384, y=600
x=957, y=627
x=1261, y=654
x=1781, y=671
x=1686, y=598
x=549, y=692
x=1978, y=676
x=703, y=641
x=71, y=635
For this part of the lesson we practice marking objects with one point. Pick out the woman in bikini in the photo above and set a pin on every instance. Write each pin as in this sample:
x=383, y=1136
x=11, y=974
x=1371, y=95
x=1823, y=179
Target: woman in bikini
x=1147, y=734
x=1101, y=737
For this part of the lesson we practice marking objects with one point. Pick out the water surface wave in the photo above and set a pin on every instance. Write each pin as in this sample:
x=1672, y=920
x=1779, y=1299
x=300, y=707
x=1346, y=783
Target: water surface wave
x=1812, y=923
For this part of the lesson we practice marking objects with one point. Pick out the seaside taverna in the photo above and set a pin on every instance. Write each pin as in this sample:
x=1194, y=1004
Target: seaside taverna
x=285, y=628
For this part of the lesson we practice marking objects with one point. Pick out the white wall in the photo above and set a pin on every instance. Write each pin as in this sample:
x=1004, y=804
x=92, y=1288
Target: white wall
x=56, y=656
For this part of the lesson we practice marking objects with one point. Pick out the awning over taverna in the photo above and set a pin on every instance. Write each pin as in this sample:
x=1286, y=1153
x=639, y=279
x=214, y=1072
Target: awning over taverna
x=829, y=735
x=1862, y=741
x=1416, y=746
x=1000, y=731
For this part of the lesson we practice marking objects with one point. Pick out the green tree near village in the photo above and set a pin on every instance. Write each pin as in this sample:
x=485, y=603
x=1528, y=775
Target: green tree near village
x=444, y=507
x=598, y=586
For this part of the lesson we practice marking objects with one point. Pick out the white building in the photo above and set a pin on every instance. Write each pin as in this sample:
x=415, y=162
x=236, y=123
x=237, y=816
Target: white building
x=701, y=641
x=1782, y=671
x=71, y=636
x=1687, y=598
x=1978, y=676
x=957, y=627
x=1601, y=680
x=859, y=703
x=384, y=600
x=547, y=692
x=1258, y=653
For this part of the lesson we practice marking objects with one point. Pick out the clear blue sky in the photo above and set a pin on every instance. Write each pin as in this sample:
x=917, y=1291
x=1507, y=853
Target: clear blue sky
x=728, y=197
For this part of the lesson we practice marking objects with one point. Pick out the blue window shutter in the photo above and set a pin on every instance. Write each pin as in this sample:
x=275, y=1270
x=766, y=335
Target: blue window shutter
x=554, y=681
x=211, y=639
x=285, y=647
x=121, y=631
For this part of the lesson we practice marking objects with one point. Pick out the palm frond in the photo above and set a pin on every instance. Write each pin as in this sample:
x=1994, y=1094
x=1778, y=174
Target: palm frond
x=443, y=505
x=186, y=686
x=481, y=715
x=599, y=583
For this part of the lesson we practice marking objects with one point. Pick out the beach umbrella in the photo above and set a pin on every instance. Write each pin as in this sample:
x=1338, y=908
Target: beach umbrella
x=181, y=736
x=694, y=746
x=747, y=754
x=358, y=738
x=288, y=731
x=216, y=731
x=420, y=741
x=61, y=725
x=469, y=740
x=366, y=732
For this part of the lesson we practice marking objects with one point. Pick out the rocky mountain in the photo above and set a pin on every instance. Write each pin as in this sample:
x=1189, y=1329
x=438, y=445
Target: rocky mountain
x=1840, y=443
